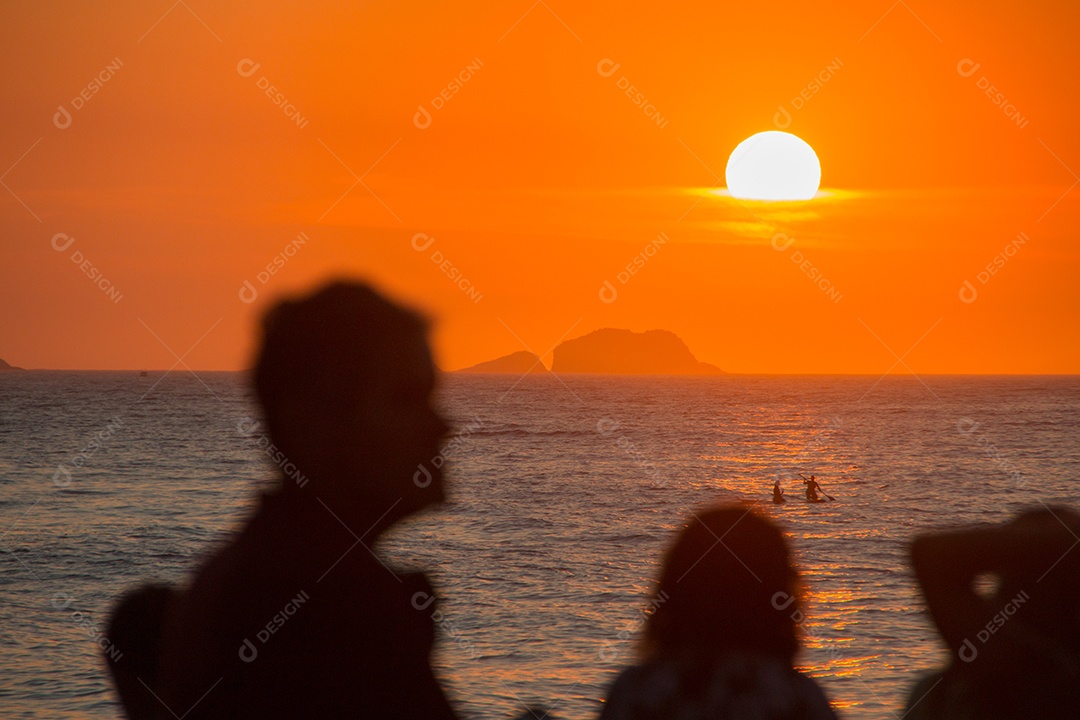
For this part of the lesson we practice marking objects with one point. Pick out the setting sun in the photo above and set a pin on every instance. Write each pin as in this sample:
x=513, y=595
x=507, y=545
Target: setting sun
x=773, y=165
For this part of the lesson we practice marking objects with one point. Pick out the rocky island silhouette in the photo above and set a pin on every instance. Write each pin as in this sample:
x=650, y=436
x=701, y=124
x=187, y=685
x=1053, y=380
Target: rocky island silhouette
x=609, y=351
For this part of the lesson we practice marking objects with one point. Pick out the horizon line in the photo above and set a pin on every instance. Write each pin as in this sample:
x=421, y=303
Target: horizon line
x=722, y=373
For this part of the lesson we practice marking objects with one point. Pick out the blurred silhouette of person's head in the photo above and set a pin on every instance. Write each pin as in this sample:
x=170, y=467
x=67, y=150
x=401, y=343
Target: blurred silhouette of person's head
x=717, y=587
x=134, y=636
x=722, y=635
x=345, y=379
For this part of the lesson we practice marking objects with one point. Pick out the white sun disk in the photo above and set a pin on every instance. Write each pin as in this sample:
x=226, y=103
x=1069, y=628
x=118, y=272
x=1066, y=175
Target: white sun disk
x=773, y=165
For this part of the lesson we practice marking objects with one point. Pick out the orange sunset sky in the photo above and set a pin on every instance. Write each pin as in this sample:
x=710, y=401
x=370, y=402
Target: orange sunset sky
x=140, y=145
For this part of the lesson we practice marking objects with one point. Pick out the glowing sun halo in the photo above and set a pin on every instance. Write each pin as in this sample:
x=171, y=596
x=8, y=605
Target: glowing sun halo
x=773, y=165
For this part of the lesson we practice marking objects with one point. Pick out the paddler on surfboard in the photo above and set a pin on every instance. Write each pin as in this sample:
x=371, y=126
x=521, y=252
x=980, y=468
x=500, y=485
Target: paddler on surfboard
x=812, y=488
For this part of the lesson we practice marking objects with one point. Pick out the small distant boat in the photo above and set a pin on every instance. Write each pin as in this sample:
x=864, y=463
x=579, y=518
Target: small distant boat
x=143, y=374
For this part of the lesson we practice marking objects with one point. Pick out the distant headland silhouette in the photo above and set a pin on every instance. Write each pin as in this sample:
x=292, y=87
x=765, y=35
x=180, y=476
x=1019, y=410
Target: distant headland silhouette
x=610, y=351
x=4, y=367
x=517, y=363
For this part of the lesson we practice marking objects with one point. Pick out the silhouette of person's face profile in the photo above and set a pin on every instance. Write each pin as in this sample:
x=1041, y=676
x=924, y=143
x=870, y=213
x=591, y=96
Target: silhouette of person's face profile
x=345, y=378
x=395, y=429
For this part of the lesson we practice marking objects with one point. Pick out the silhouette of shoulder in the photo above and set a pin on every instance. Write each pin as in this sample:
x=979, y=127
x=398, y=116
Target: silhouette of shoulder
x=739, y=685
x=278, y=628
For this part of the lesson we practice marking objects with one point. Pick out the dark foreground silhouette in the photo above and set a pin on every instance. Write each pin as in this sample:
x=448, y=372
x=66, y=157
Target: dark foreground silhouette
x=1015, y=652
x=295, y=616
x=722, y=637
x=135, y=632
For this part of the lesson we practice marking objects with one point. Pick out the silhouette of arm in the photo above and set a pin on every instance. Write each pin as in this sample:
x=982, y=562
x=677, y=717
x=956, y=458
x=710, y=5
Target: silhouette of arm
x=946, y=565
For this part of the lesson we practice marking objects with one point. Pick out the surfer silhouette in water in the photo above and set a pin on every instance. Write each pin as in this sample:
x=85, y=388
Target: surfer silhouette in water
x=811, y=488
x=777, y=493
x=296, y=616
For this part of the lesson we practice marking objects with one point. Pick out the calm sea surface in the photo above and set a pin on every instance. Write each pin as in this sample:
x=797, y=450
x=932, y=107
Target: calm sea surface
x=564, y=495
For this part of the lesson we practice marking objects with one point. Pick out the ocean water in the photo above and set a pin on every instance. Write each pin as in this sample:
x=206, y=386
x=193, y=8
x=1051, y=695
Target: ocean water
x=564, y=493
